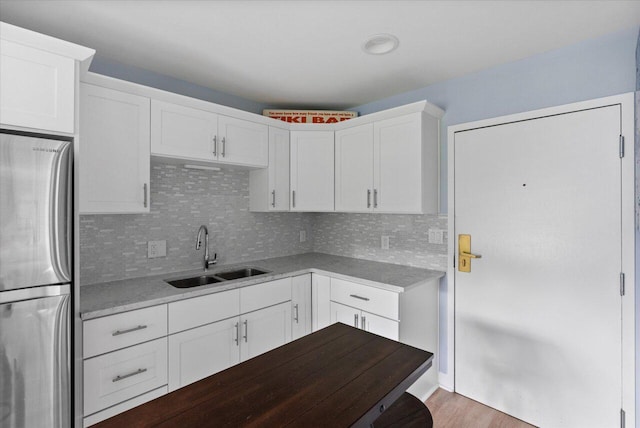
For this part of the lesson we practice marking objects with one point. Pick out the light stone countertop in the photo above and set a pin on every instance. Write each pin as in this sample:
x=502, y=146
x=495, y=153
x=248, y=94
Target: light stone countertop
x=97, y=300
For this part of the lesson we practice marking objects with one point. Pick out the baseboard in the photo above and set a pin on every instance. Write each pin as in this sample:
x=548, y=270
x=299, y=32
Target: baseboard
x=446, y=381
x=422, y=391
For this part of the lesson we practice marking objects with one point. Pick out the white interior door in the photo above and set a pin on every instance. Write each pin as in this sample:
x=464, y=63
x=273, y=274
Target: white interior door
x=538, y=318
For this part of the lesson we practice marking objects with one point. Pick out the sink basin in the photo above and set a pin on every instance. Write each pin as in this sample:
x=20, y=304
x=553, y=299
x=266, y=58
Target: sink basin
x=194, y=281
x=212, y=278
x=241, y=273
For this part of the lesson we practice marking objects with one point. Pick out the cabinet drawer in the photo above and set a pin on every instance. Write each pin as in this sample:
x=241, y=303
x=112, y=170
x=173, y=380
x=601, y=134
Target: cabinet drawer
x=118, y=331
x=190, y=313
x=266, y=294
x=118, y=376
x=374, y=300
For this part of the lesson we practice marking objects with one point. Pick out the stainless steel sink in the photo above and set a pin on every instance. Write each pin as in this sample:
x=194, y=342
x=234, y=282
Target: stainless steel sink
x=212, y=278
x=194, y=281
x=241, y=273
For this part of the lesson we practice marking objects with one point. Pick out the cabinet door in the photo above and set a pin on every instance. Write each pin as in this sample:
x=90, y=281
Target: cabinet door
x=114, y=151
x=345, y=315
x=243, y=142
x=380, y=326
x=398, y=164
x=321, y=301
x=183, y=132
x=264, y=330
x=354, y=169
x=200, y=352
x=301, y=305
x=312, y=167
x=269, y=188
x=278, y=169
x=37, y=88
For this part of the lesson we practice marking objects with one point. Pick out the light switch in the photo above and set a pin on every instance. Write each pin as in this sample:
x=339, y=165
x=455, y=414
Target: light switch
x=156, y=249
x=436, y=236
x=384, y=242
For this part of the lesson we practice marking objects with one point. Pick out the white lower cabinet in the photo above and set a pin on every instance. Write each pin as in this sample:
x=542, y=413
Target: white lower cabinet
x=125, y=361
x=210, y=333
x=118, y=376
x=200, y=352
x=264, y=330
x=301, y=305
x=320, y=301
x=410, y=316
x=365, y=321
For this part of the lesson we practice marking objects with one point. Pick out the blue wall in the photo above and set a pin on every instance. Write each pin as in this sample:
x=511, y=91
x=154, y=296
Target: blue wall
x=587, y=70
x=118, y=70
x=590, y=69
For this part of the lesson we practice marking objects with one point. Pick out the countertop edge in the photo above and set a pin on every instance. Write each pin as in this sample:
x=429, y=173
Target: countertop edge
x=140, y=304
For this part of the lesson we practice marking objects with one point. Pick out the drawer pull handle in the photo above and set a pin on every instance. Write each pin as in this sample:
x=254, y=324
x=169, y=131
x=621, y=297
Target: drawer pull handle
x=129, y=330
x=295, y=318
x=355, y=296
x=137, y=372
x=237, y=334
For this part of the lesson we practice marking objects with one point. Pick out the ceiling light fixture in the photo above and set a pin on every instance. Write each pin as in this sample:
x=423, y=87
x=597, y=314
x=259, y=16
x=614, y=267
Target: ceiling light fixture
x=380, y=44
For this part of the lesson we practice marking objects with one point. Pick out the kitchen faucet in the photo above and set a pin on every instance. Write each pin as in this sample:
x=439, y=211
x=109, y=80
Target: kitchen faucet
x=207, y=262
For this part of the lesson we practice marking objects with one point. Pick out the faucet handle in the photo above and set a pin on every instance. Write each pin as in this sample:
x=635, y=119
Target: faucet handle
x=213, y=261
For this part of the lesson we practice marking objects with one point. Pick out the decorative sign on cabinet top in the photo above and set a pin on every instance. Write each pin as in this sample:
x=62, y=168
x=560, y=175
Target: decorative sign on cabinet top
x=309, y=116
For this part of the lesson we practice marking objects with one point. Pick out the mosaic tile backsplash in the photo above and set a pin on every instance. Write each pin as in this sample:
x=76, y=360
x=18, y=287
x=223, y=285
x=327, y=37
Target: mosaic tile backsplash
x=359, y=235
x=114, y=247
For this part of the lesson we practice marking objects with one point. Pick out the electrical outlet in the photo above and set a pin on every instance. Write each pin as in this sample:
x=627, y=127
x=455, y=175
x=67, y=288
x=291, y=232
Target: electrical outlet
x=384, y=242
x=303, y=236
x=436, y=236
x=156, y=249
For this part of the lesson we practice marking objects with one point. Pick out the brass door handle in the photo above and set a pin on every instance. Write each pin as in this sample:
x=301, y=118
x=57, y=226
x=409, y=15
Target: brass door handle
x=473, y=256
x=464, y=253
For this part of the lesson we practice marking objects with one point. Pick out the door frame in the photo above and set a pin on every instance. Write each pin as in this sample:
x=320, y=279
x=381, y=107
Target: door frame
x=627, y=105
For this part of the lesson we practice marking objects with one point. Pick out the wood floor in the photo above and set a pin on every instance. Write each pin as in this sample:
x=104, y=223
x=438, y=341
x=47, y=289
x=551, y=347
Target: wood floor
x=451, y=410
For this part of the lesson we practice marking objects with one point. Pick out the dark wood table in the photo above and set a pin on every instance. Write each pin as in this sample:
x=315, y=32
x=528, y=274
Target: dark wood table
x=339, y=376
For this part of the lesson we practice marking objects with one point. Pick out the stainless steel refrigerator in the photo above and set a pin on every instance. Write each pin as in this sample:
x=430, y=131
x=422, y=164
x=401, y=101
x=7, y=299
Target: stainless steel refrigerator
x=35, y=281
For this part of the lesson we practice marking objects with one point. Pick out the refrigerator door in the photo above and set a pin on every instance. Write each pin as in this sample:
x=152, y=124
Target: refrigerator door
x=34, y=364
x=35, y=200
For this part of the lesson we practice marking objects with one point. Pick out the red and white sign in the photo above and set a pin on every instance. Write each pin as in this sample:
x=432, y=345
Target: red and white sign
x=309, y=116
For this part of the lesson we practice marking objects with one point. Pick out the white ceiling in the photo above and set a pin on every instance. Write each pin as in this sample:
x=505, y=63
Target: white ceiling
x=308, y=53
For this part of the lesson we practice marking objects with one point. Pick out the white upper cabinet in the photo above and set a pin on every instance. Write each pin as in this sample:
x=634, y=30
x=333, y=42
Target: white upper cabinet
x=114, y=151
x=199, y=135
x=354, y=168
x=242, y=142
x=37, y=80
x=183, y=132
x=406, y=164
x=388, y=166
x=269, y=188
x=312, y=168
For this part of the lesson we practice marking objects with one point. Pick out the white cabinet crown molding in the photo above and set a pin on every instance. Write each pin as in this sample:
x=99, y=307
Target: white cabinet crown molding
x=162, y=95
x=47, y=43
